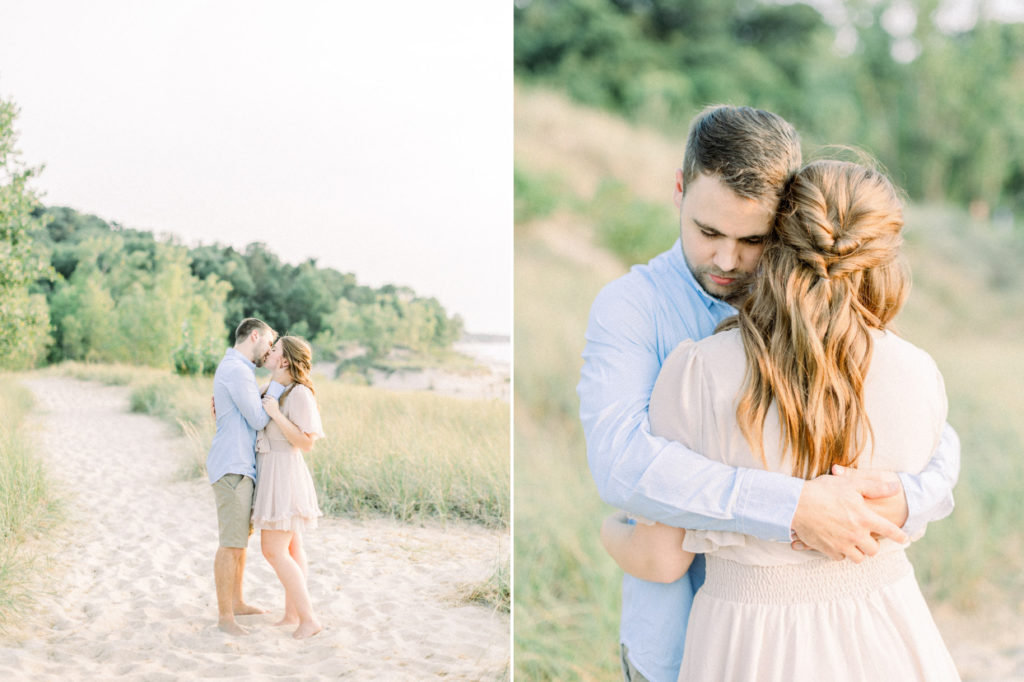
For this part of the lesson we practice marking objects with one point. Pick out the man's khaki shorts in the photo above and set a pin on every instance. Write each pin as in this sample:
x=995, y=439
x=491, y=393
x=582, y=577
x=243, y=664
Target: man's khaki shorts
x=233, y=495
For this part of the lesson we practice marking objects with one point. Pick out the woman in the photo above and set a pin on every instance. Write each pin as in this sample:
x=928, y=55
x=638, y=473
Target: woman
x=284, y=505
x=805, y=378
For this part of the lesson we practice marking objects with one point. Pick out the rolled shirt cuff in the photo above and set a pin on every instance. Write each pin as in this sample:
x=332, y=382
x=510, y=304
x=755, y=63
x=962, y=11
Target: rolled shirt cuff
x=768, y=503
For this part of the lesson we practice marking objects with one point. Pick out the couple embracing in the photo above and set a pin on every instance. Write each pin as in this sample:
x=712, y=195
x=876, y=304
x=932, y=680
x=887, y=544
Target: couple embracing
x=773, y=444
x=259, y=477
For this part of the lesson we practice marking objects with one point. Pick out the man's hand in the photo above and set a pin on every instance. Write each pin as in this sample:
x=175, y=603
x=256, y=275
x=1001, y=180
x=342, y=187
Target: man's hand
x=833, y=515
x=891, y=507
x=213, y=407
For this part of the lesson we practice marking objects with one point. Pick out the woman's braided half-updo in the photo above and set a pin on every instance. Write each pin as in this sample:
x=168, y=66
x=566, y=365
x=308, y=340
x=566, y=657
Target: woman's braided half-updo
x=832, y=271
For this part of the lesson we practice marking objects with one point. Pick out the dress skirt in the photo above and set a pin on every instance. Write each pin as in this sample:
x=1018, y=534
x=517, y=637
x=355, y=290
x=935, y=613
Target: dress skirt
x=815, y=620
x=285, y=497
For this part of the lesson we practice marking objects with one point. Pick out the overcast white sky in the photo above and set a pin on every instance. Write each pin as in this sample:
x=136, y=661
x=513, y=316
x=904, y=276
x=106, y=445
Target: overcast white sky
x=375, y=136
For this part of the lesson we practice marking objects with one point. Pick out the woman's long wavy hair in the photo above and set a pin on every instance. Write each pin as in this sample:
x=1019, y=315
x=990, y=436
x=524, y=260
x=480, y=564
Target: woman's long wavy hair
x=831, y=272
x=300, y=362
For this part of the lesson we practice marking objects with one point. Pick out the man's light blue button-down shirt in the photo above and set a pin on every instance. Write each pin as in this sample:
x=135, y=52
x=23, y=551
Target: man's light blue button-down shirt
x=635, y=322
x=240, y=415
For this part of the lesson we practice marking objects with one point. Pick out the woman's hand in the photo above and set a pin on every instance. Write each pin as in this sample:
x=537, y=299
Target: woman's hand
x=271, y=406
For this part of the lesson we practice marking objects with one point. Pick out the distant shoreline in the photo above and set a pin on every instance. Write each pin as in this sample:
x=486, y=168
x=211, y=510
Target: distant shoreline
x=492, y=352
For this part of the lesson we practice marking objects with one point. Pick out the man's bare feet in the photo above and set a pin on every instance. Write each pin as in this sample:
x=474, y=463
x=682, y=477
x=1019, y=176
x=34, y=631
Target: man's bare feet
x=288, y=620
x=244, y=609
x=232, y=628
x=307, y=629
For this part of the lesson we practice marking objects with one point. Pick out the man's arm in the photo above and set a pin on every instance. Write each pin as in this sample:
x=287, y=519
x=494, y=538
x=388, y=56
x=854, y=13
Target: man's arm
x=244, y=392
x=649, y=476
x=930, y=493
x=669, y=483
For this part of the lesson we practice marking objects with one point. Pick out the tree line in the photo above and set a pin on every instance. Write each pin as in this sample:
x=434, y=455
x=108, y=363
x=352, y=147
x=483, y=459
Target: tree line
x=940, y=106
x=75, y=287
x=117, y=294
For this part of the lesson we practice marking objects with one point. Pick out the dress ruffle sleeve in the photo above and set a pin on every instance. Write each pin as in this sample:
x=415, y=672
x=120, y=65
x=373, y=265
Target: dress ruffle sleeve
x=303, y=412
x=704, y=541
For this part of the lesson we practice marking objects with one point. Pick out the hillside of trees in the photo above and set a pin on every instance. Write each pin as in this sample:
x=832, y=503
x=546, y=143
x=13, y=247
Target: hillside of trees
x=939, y=103
x=74, y=287
x=116, y=294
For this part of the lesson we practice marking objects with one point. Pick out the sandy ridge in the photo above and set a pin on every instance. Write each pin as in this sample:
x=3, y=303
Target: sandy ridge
x=132, y=587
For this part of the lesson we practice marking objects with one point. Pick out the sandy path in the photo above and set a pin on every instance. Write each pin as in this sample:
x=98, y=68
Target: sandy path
x=133, y=594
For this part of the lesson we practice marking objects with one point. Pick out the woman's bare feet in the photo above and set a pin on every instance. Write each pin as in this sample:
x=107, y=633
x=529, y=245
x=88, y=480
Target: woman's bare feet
x=232, y=628
x=307, y=629
x=244, y=609
x=288, y=620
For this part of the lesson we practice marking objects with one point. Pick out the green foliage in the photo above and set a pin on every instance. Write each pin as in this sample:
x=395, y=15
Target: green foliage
x=137, y=305
x=120, y=295
x=942, y=111
x=535, y=196
x=632, y=229
x=24, y=319
x=394, y=317
x=196, y=358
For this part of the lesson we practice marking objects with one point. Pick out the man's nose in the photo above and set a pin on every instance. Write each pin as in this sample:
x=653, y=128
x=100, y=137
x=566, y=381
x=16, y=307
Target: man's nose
x=726, y=257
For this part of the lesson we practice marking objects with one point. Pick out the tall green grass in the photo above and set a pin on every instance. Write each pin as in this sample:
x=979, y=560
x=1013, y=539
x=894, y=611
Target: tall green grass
x=29, y=507
x=410, y=456
x=567, y=589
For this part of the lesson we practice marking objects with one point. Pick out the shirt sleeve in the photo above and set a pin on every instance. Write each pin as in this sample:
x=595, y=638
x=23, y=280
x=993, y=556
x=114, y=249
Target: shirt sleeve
x=245, y=394
x=930, y=493
x=653, y=477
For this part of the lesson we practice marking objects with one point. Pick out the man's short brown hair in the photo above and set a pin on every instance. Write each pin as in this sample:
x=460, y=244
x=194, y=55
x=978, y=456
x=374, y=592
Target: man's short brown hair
x=754, y=152
x=248, y=326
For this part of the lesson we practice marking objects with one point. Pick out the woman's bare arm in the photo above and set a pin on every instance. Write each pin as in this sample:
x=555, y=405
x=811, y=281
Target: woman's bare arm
x=653, y=553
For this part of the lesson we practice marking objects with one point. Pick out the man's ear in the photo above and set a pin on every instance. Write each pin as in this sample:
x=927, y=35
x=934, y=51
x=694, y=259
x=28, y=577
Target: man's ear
x=677, y=195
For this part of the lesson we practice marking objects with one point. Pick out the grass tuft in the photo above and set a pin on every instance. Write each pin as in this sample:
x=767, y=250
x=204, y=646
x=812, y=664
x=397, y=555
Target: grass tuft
x=29, y=507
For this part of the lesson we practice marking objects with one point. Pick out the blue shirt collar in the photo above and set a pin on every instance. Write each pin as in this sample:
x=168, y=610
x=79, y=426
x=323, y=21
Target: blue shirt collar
x=233, y=352
x=678, y=262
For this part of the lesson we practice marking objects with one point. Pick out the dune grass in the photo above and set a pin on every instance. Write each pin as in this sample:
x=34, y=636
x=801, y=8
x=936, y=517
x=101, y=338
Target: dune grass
x=966, y=309
x=566, y=587
x=409, y=456
x=29, y=506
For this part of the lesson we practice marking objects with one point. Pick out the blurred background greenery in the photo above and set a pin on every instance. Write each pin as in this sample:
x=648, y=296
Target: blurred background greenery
x=605, y=90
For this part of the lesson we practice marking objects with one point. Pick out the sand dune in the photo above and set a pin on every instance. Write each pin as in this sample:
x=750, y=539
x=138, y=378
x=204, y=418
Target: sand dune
x=132, y=592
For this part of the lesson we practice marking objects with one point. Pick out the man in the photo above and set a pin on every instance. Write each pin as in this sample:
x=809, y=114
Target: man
x=736, y=164
x=231, y=463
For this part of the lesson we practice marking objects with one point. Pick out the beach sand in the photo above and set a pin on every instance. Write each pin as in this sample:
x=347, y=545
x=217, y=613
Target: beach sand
x=130, y=590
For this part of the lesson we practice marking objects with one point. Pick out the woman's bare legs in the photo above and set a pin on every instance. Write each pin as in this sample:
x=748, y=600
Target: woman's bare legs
x=298, y=553
x=276, y=549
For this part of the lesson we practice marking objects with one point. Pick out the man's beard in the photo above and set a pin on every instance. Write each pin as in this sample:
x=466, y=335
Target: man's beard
x=733, y=293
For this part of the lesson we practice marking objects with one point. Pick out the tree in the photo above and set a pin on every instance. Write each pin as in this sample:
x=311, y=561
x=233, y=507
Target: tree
x=24, y=317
